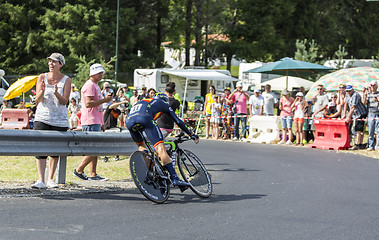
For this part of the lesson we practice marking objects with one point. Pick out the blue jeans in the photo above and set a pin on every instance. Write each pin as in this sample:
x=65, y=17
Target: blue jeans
x=91, y=128
x=237, y=125
x=373, y=128
x=286, y=122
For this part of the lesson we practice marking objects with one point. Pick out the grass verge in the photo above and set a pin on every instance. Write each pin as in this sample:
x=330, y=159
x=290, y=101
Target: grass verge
x=23, y=169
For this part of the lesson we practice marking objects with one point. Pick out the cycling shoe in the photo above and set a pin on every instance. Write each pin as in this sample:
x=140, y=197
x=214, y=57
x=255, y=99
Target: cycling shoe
x=179, y=183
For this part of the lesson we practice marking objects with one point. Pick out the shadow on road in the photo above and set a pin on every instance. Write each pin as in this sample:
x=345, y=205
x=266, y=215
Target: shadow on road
x=175, y=197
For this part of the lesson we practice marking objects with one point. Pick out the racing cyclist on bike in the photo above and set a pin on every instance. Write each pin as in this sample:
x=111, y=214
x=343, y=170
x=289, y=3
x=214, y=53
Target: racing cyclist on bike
x=143, y=114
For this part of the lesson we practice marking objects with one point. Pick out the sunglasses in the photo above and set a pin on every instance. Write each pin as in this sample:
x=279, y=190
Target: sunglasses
x=107, y=87
x=319, y=88
x=334, y=97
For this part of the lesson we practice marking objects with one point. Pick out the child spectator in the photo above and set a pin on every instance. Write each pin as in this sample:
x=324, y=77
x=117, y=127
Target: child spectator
x=299, y=106
x=215, y=116
x=73, y=109
x=333, y=110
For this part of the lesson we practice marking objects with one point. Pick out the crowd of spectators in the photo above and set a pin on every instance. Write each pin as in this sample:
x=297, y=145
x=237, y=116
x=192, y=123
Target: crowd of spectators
x=295, y=112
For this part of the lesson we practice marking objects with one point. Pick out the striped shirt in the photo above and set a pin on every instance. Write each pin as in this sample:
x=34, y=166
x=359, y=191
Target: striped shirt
x=356, y=100
x=372, y=104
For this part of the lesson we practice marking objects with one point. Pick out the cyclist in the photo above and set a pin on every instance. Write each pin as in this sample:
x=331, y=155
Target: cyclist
x=143, y=114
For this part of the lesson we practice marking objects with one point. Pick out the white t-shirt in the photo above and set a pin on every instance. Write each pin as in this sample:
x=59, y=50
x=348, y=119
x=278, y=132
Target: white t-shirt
x=269, y=101
x=256, y=104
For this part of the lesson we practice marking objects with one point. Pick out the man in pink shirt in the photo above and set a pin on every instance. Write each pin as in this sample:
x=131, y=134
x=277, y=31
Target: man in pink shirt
x=240, y=98
x=92, y=117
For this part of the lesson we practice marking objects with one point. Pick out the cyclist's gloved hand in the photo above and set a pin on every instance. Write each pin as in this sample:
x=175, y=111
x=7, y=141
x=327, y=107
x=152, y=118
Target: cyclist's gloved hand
x=195, y=138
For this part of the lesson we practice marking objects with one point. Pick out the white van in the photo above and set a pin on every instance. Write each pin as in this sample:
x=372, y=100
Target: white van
x=193, y=82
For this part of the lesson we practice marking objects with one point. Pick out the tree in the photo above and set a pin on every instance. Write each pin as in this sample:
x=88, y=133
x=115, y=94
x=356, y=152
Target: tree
x=302, y=54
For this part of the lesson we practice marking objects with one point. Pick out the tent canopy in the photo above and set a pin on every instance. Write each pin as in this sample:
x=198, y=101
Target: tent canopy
x=201, y=75
x=279, y=83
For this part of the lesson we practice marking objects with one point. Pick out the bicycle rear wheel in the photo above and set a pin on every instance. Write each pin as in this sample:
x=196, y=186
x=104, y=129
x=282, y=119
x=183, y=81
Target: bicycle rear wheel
x=152, y=183
x=194, y=172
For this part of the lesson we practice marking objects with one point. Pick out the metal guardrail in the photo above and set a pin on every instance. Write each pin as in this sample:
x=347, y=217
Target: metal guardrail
x=63, y=144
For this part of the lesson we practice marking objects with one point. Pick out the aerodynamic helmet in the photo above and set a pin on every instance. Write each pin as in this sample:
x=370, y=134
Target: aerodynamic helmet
x=162, y=96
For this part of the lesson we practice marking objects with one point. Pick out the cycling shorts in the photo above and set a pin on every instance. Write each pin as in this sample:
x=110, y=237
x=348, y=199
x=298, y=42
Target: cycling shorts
x=150, y=127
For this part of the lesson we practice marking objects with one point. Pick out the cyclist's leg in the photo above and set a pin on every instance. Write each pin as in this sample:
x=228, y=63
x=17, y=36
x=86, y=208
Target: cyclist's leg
x=136, y=135
x=156, y=138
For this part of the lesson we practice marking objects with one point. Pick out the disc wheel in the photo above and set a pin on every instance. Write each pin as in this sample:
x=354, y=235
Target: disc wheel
x=194, y=172
x=152, y=183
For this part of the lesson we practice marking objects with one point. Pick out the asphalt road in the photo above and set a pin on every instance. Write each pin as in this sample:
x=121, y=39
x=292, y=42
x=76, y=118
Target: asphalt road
x=260, y=192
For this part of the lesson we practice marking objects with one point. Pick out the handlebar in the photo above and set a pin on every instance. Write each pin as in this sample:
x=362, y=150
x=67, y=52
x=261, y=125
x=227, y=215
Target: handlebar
x=181, y=138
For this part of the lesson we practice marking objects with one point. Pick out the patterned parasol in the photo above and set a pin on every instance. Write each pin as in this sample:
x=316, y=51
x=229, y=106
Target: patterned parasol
x=359, y=77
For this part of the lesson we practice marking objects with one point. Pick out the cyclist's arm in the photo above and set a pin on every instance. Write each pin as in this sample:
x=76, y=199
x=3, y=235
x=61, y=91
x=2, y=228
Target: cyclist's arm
x=179, y=122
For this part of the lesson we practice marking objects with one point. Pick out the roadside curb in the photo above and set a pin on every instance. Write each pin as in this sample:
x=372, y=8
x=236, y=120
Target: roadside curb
x=23, y=189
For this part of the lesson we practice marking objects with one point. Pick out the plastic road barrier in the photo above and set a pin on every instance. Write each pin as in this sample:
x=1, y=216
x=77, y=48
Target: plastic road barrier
x=15, y=119
x=264, y=129
x=331, y=134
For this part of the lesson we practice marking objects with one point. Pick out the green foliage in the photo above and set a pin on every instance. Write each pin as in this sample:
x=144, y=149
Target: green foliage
x=82, y=69
x=340, y=54
x=302, y=54
x=257, y=29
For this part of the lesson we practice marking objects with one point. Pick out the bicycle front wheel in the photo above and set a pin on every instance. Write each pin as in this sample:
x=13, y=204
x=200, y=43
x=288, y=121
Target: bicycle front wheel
x=194, y=172
x=150, y=179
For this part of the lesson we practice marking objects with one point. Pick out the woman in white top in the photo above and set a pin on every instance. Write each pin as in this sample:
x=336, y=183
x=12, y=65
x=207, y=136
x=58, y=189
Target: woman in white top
x=53, y=92
x=299, y=106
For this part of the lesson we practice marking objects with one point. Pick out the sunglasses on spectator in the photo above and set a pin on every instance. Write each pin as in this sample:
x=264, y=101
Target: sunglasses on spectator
x=334, y=97
x=319, y=88
x=107, y=87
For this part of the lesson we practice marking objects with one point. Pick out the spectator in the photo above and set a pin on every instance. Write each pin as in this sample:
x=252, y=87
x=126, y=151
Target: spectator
x=105, y=92
x=319, y=102
x=122, y=107
x=333, y=110
x=215, y=117
x=227, y=115
x=134, y=98
x=256, y=102
x=240, y=98
x=92, y=118
x=144, y=94
x=209, y=99
x=128, y=94
x=53, y=92
x=73, y=109
x=165, y=122
x=112, y=115
x=75, y=94
x=286, y=117
x=21, y=105
x=270, y=101
x=4, y=106
x=371, y=99
x=299, y=106
x=151, y=93
x=356, y=113
x=341, y=96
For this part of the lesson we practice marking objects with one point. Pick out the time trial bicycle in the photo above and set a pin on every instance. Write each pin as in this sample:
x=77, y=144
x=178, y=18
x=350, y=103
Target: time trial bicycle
x=152, y=179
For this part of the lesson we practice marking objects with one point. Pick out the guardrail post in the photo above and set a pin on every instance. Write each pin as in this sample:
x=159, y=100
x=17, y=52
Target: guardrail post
x=61, y=170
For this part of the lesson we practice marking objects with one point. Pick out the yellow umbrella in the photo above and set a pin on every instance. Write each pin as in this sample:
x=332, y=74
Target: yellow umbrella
x=21, y=86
